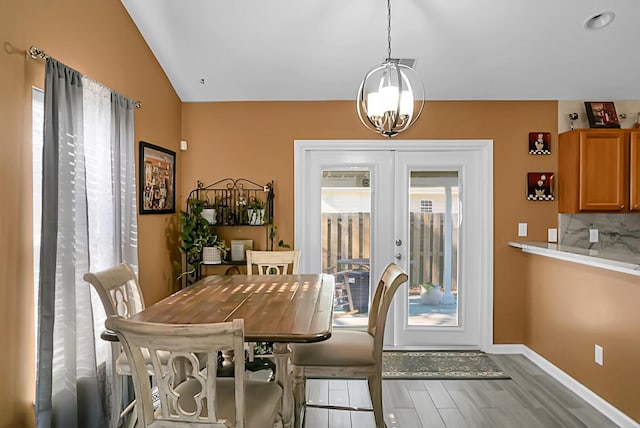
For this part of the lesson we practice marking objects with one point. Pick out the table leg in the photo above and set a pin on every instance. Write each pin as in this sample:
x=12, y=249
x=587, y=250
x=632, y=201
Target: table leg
x=281, y=355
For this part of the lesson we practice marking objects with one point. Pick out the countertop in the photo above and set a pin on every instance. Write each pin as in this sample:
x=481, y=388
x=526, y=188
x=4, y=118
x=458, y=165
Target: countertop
x=611, y=260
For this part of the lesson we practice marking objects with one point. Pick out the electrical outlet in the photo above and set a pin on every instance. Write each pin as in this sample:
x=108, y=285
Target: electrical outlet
x=599, y=355
x=593, y=235
x=552, y=235
x=522, y=229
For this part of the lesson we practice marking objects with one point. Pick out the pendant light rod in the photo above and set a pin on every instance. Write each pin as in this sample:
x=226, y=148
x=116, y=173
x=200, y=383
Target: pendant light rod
x=388, y=30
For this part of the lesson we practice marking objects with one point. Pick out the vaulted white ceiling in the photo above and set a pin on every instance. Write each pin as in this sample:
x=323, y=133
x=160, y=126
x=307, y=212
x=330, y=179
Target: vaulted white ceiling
x=226, y=50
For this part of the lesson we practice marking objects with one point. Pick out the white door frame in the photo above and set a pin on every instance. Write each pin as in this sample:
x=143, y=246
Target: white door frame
x=302, y=149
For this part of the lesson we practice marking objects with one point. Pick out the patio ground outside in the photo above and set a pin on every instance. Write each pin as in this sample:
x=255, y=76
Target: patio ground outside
x=419, y=314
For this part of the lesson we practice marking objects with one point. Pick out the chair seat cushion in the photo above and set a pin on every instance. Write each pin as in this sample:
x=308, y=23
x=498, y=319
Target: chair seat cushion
x=343, y=348
x=262, y=400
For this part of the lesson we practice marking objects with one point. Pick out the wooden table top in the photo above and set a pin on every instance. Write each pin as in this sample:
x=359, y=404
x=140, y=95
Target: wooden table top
x=275, y=308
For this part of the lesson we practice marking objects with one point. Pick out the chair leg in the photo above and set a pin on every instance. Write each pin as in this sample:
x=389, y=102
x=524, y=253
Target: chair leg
x=116, y=400
x=375, y=391
x=299, y=395
x=117, y=385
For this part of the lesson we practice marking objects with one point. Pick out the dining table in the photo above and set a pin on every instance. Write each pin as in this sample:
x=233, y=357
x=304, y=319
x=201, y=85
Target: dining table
x=282, y=309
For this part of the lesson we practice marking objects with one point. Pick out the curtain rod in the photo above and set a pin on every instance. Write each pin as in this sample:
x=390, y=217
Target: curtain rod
x=37, y=53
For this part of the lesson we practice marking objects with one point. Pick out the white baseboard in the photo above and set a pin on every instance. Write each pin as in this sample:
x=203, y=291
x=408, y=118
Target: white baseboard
x=576, y=387
x=506, y=349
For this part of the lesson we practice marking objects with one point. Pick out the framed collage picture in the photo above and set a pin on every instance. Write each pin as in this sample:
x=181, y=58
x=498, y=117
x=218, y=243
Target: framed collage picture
x=157, y=179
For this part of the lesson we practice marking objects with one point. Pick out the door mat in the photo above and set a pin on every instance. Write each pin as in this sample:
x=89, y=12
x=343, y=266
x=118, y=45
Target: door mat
x=439, y=365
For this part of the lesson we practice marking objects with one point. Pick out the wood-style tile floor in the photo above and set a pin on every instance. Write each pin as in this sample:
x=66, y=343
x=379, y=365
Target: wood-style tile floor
x=531, y=398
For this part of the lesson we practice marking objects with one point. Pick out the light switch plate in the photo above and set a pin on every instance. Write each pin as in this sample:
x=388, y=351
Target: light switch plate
x=593, y=235
x=552, y=235
x=522, y=229
x=599, y=355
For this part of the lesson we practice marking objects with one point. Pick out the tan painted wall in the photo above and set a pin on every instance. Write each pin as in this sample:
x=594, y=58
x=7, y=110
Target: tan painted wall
x=98, y=39
x=570, y=308
x=255, y=140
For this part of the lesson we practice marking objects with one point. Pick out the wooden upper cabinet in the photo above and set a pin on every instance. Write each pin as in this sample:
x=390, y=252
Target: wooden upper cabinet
x=604, y=182
x=593, y=171
x=634, y=172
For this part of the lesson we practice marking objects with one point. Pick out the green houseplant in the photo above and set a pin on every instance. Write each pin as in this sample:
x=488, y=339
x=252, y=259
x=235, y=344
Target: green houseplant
x=273, y=230
x=430, y=294
x=209, y=210
x=195, y=236
x=255, y=211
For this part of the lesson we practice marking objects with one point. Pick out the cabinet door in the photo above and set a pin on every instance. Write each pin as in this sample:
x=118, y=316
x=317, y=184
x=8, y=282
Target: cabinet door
x=634, y=174
x=604, y=184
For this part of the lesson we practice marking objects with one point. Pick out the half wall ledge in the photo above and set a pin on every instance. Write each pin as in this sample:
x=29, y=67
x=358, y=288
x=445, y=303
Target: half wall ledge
x=611, y=260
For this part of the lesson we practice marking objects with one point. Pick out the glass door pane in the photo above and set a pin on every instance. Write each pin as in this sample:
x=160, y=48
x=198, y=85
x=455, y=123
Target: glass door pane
x=433, y=249
x=346, y=231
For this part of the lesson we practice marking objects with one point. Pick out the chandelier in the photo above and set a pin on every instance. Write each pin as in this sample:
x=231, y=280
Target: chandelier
x=386, y=98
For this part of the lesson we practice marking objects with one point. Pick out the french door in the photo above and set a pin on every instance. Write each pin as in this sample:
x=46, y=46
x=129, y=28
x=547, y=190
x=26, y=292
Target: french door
x=425, y=205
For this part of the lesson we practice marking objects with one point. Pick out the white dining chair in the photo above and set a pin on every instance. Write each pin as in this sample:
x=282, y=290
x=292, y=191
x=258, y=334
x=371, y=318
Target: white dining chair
x=120, y=294
x=350, y=354
x=270, y=263
x=190, y=392
x=273, y=262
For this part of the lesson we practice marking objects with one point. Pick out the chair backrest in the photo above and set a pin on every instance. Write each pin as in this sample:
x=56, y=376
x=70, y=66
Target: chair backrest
x=392, y=277
x=190, y=347
x=273, y=262
x=118, y=289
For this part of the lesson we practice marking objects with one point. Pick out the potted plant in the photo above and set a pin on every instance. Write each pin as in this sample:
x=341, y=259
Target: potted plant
x=213, y=250
x=430, y=294
x=209, y=211
x=255, y=211
x=195, y=237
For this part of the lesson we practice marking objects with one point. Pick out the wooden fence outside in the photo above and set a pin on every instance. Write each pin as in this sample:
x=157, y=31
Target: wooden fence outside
x=346, y=236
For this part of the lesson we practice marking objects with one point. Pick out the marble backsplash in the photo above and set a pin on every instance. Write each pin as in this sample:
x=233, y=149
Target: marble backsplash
x=616, y=232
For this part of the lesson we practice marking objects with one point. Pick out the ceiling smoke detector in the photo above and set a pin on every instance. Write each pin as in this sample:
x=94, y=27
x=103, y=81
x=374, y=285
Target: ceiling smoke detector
x=599, y=20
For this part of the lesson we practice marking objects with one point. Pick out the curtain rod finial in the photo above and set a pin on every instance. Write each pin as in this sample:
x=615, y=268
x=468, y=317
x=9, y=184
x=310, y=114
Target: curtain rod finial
x=36, y=53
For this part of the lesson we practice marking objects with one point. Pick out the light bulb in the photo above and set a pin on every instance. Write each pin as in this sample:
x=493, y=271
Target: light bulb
x=406, y=103
x=389, y=97
x=374, y=104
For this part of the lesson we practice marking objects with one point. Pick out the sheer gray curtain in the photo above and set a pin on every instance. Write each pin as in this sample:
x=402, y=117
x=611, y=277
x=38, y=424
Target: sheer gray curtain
x=88, y=223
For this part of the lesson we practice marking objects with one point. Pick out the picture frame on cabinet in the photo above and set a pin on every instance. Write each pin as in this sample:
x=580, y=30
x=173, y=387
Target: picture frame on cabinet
x=539, y=143
x=602, y=114
x=540, y=186
x=157, y=179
